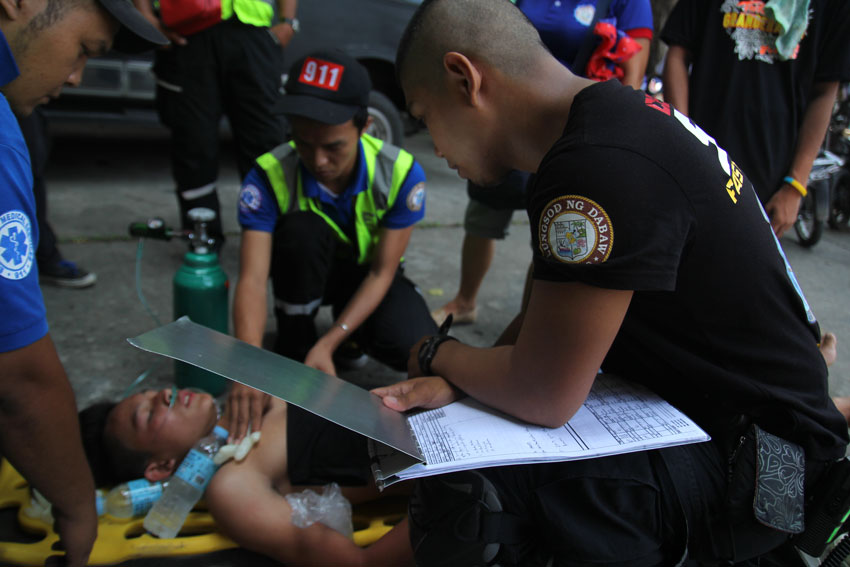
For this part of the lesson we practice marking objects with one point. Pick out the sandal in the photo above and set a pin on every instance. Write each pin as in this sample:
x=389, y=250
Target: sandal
x=465, y=318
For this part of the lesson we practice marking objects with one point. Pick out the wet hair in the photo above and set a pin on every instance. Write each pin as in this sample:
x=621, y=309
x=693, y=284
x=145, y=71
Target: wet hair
x=111, y=461
x=493, y=31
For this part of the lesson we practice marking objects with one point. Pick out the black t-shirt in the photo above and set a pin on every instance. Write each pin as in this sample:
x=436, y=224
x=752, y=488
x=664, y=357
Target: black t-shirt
x=740, y=93
x=634, y=196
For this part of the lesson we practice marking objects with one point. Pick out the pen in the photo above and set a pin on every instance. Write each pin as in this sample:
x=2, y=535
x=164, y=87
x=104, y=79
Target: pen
x=447, y=324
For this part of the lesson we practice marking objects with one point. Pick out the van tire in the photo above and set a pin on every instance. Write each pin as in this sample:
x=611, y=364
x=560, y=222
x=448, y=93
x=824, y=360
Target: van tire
x=386, y=119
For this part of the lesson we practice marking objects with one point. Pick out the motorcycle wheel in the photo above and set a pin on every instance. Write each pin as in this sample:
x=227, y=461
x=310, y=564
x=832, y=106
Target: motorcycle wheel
x=839, y=209
x=808, y=227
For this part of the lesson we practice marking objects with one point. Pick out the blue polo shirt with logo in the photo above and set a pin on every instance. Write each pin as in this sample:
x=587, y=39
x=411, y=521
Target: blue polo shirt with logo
x=259, y=210
x=23, y=320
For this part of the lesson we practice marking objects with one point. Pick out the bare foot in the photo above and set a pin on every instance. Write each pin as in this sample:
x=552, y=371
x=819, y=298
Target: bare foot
x=464, y=312
x=828, y=348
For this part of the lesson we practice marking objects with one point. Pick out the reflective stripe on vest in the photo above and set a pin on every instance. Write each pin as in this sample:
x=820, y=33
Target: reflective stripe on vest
x=386, y=169
x=260, y=13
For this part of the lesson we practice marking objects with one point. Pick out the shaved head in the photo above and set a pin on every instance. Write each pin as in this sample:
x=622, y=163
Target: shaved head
x=494, y=32
x=464, y=67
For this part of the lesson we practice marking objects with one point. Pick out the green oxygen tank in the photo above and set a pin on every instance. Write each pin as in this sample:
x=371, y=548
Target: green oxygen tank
x=200, y=291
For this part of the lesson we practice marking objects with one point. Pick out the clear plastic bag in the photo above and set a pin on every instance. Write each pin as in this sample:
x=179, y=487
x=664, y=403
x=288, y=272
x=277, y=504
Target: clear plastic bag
x=330, y=508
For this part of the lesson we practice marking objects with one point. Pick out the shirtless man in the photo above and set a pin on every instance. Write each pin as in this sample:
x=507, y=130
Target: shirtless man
x=247, y=498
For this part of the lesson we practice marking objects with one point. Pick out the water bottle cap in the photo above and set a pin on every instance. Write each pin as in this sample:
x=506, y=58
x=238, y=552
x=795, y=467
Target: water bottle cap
x=220, y=432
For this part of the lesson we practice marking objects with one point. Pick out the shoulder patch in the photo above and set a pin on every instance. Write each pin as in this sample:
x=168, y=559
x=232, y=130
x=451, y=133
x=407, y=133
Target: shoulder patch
x=250, y=198
x=16, y=246
x=575, y=230
x=416, y=197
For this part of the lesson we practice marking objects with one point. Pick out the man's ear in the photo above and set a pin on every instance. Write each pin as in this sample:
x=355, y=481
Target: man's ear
x=10, y=9
x=156, y=471
x=463, y=76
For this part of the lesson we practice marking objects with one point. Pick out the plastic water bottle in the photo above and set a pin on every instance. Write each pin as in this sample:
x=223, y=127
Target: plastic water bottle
x=99, y=502
x=186, y=487
x=130, y=499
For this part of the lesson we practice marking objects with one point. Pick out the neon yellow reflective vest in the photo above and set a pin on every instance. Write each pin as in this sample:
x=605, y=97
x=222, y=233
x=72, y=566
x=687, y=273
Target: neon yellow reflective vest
x=386, y=169
x=252, y=12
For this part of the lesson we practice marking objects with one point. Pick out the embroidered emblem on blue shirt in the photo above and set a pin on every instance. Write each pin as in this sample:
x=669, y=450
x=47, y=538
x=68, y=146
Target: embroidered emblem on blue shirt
x=16, y=247
x=416, y=197
x=250, y=199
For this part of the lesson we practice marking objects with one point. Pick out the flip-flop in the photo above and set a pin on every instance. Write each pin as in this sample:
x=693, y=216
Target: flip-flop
x=465, y=318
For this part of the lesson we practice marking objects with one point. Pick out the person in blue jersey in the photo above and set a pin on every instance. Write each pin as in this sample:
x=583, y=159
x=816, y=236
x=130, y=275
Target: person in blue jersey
x=328, y=217
x=44, y=44
x=564, y=25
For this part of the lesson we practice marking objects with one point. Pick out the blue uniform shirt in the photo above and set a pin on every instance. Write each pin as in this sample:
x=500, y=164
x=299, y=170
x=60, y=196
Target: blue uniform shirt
x=23, y=319
x=259, y=210
x=564, y=24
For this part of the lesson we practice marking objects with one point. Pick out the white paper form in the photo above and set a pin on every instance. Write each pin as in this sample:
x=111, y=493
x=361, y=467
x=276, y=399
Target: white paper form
x=617, y=417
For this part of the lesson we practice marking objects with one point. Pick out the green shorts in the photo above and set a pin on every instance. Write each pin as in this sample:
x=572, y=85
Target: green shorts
x=486, y=222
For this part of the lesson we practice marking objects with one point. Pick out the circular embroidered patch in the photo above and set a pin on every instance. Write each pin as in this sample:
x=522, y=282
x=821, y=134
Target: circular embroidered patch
x=416, y=197
x=575, y=230
x=16, y=247
x=584, y=13
x=250, y=198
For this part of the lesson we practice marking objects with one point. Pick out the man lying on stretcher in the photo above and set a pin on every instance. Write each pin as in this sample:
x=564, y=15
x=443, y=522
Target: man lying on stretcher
x=145, y=436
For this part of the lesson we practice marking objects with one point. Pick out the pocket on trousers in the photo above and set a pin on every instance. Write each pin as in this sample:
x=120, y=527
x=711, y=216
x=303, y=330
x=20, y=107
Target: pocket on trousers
x=755, y=505
x=781, y=475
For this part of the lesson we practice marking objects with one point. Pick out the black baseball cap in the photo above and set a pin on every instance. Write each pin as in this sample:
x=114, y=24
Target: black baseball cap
x=326, y=86
x=137, y=34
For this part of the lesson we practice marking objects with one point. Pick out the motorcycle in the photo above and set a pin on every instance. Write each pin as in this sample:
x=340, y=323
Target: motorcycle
x=828, y=198
x=817, y=206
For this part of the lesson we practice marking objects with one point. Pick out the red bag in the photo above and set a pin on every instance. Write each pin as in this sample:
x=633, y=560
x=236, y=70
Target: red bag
x=189, y=16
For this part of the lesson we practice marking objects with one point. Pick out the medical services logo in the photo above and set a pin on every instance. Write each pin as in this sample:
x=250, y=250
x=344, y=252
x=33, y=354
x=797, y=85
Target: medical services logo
x=416, y=197
x=16, y=246
x=575, y=230
x=250, y=199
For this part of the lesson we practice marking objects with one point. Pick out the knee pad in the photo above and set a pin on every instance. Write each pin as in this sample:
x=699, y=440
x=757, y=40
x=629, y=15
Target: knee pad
x=458, y=519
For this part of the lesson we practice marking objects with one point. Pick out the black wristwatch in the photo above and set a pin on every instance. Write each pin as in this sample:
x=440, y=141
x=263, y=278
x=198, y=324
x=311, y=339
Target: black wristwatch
x=296, y=27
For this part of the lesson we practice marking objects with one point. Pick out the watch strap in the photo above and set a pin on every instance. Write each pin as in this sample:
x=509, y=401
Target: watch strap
x=292, y=22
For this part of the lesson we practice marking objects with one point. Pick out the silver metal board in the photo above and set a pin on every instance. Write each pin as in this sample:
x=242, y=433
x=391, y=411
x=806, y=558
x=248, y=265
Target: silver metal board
x=327, y=396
